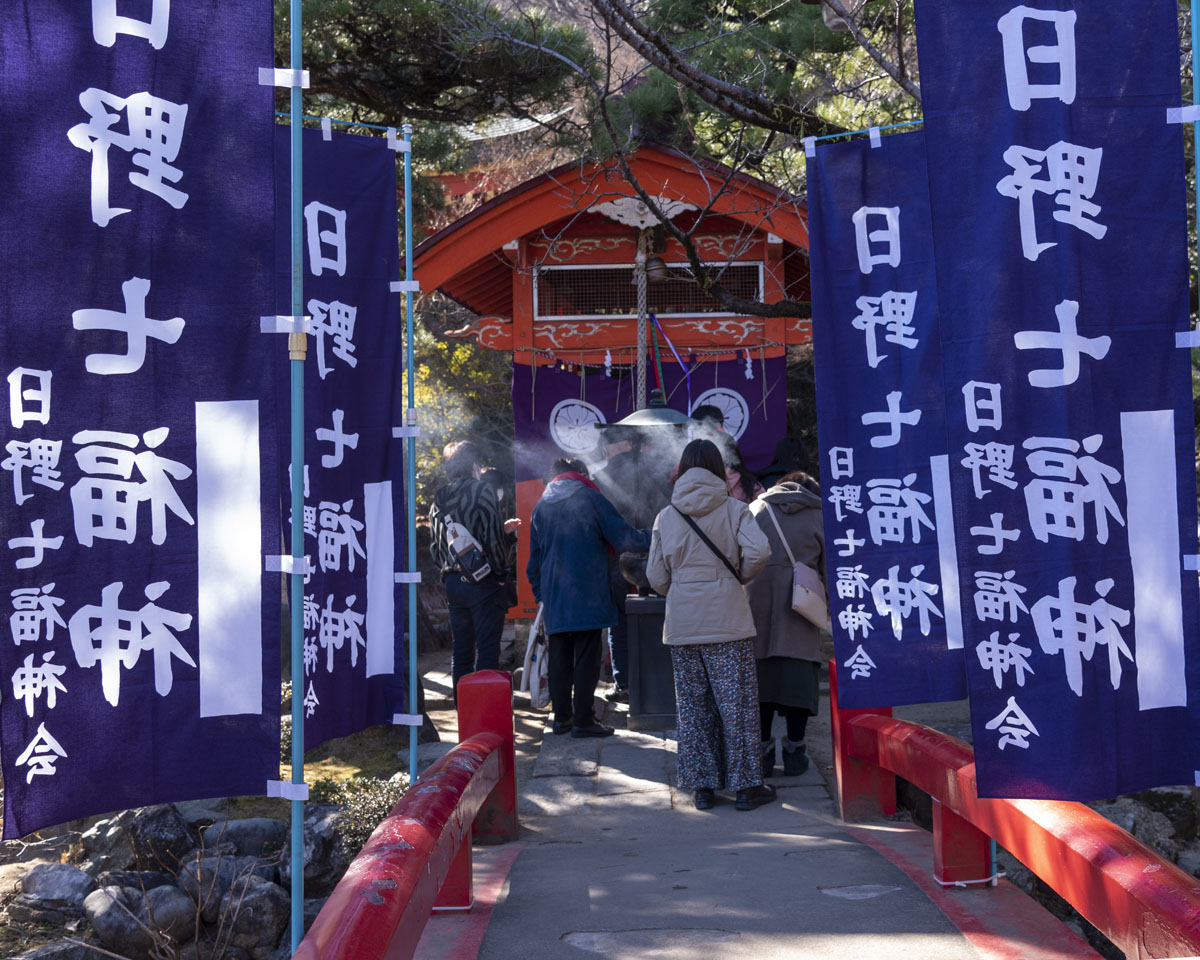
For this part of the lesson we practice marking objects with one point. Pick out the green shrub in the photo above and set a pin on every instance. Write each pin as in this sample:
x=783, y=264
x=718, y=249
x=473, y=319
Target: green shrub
x=368, y=800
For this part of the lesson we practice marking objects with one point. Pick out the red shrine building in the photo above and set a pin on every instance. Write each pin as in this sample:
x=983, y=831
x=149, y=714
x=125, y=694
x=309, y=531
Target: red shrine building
x=551, y=269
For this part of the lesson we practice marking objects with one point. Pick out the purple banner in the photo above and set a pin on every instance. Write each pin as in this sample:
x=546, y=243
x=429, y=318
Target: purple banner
x=1057, y=186
x=138, y=438
x=353, y=467
x=889, y=531
x=555, y=410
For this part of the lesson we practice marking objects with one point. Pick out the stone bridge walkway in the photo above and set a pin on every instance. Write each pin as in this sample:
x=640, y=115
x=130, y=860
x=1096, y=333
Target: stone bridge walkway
x=614, y=863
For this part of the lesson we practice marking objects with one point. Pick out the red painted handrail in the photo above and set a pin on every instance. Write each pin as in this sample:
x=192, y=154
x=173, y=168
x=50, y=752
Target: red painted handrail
x=1144, y=904
x=420, y=856
x=381, y=905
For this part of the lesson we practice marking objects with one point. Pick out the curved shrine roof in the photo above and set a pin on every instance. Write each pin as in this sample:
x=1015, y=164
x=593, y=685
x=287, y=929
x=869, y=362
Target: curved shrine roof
x=467, y=260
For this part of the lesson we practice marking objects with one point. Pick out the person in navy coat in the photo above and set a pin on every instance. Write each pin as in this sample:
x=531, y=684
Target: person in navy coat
x=573, y=530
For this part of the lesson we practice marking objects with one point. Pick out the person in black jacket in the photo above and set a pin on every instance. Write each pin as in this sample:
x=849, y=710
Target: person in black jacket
x=477, y=607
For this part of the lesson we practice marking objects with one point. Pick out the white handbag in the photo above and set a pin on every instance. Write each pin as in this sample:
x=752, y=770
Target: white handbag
x=535, y=677
x=808, y=593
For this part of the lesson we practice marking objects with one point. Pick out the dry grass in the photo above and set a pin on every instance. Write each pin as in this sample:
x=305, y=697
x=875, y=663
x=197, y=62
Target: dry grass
x=369, y=753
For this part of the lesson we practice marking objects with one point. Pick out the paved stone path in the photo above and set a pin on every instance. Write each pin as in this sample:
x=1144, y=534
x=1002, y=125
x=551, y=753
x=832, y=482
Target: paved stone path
x=616, y=863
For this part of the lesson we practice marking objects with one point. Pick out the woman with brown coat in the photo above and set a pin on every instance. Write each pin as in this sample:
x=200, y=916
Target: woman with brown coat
x=787, y=645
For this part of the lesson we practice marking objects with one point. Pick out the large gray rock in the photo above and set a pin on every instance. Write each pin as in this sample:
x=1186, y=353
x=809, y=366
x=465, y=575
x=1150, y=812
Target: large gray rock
x=311, y=909
x=112, y=912
x=52, y=894
x=106, y=844
x=1151, y=827
x=255, y=837
x=212, y=848
x=207, y=881
x=60, y=950
x=1176, y=804
x=267, y=869
x=325, y=859
x=255, y=911
x=1189, y=859
x=208, y=950
x=138, y=879
x=197, y=813
x=123, y=917
x=169, y=910
x=57, y=881
x=161, y=837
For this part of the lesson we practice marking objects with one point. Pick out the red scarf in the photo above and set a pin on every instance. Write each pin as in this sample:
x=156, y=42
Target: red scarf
x=572, y=475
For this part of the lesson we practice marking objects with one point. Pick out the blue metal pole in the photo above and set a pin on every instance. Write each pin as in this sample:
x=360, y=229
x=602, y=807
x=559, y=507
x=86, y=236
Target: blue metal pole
x=412, y=457
x=297, y=348
x=1196, y=126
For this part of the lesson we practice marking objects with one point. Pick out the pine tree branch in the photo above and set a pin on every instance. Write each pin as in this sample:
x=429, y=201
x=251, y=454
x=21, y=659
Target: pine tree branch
x=873, y=51
x=731, y=99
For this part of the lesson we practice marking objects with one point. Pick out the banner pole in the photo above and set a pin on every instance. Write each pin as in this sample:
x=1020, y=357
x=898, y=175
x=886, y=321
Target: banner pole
x=1196, y=126
x=412, y=458
x=297, y=347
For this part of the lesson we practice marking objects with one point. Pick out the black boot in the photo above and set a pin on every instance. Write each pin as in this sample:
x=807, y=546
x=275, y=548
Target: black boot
x=768, y=758
x=795, y=758
x=754, y=797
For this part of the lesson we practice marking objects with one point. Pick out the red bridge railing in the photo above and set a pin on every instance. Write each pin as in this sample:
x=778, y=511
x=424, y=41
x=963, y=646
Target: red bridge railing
x=419, y=859
x=1146, y=905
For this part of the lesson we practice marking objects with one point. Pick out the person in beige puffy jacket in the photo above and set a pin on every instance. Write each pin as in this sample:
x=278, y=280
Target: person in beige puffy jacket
x=710, y=629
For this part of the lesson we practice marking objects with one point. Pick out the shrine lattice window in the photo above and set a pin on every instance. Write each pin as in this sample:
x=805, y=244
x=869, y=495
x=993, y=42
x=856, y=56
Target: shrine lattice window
x=604, y=292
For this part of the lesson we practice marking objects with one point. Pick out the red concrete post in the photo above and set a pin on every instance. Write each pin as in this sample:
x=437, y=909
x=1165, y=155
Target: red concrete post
x=485, y=705
x=961, y=852
x=864, y=788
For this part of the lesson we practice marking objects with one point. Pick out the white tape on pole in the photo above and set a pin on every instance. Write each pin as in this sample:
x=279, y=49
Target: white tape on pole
x=285, y=324
x=288, y=564
x=287, y=790
x=395, y=143
x=1183, y=114
x=279, y=77
x=407, y=719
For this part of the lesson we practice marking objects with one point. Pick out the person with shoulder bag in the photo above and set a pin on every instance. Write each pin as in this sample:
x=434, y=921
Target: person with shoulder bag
x=791, y=610
x=467, y=543
x=704, y=546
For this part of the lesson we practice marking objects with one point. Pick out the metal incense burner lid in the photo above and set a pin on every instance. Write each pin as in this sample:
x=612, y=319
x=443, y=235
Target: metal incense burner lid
x=656, y=414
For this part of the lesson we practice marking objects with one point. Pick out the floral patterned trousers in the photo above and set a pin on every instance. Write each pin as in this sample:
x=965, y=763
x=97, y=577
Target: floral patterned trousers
x=716, y=697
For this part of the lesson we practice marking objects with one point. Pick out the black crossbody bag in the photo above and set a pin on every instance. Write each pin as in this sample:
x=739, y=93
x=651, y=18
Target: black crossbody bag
x=711, y=546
